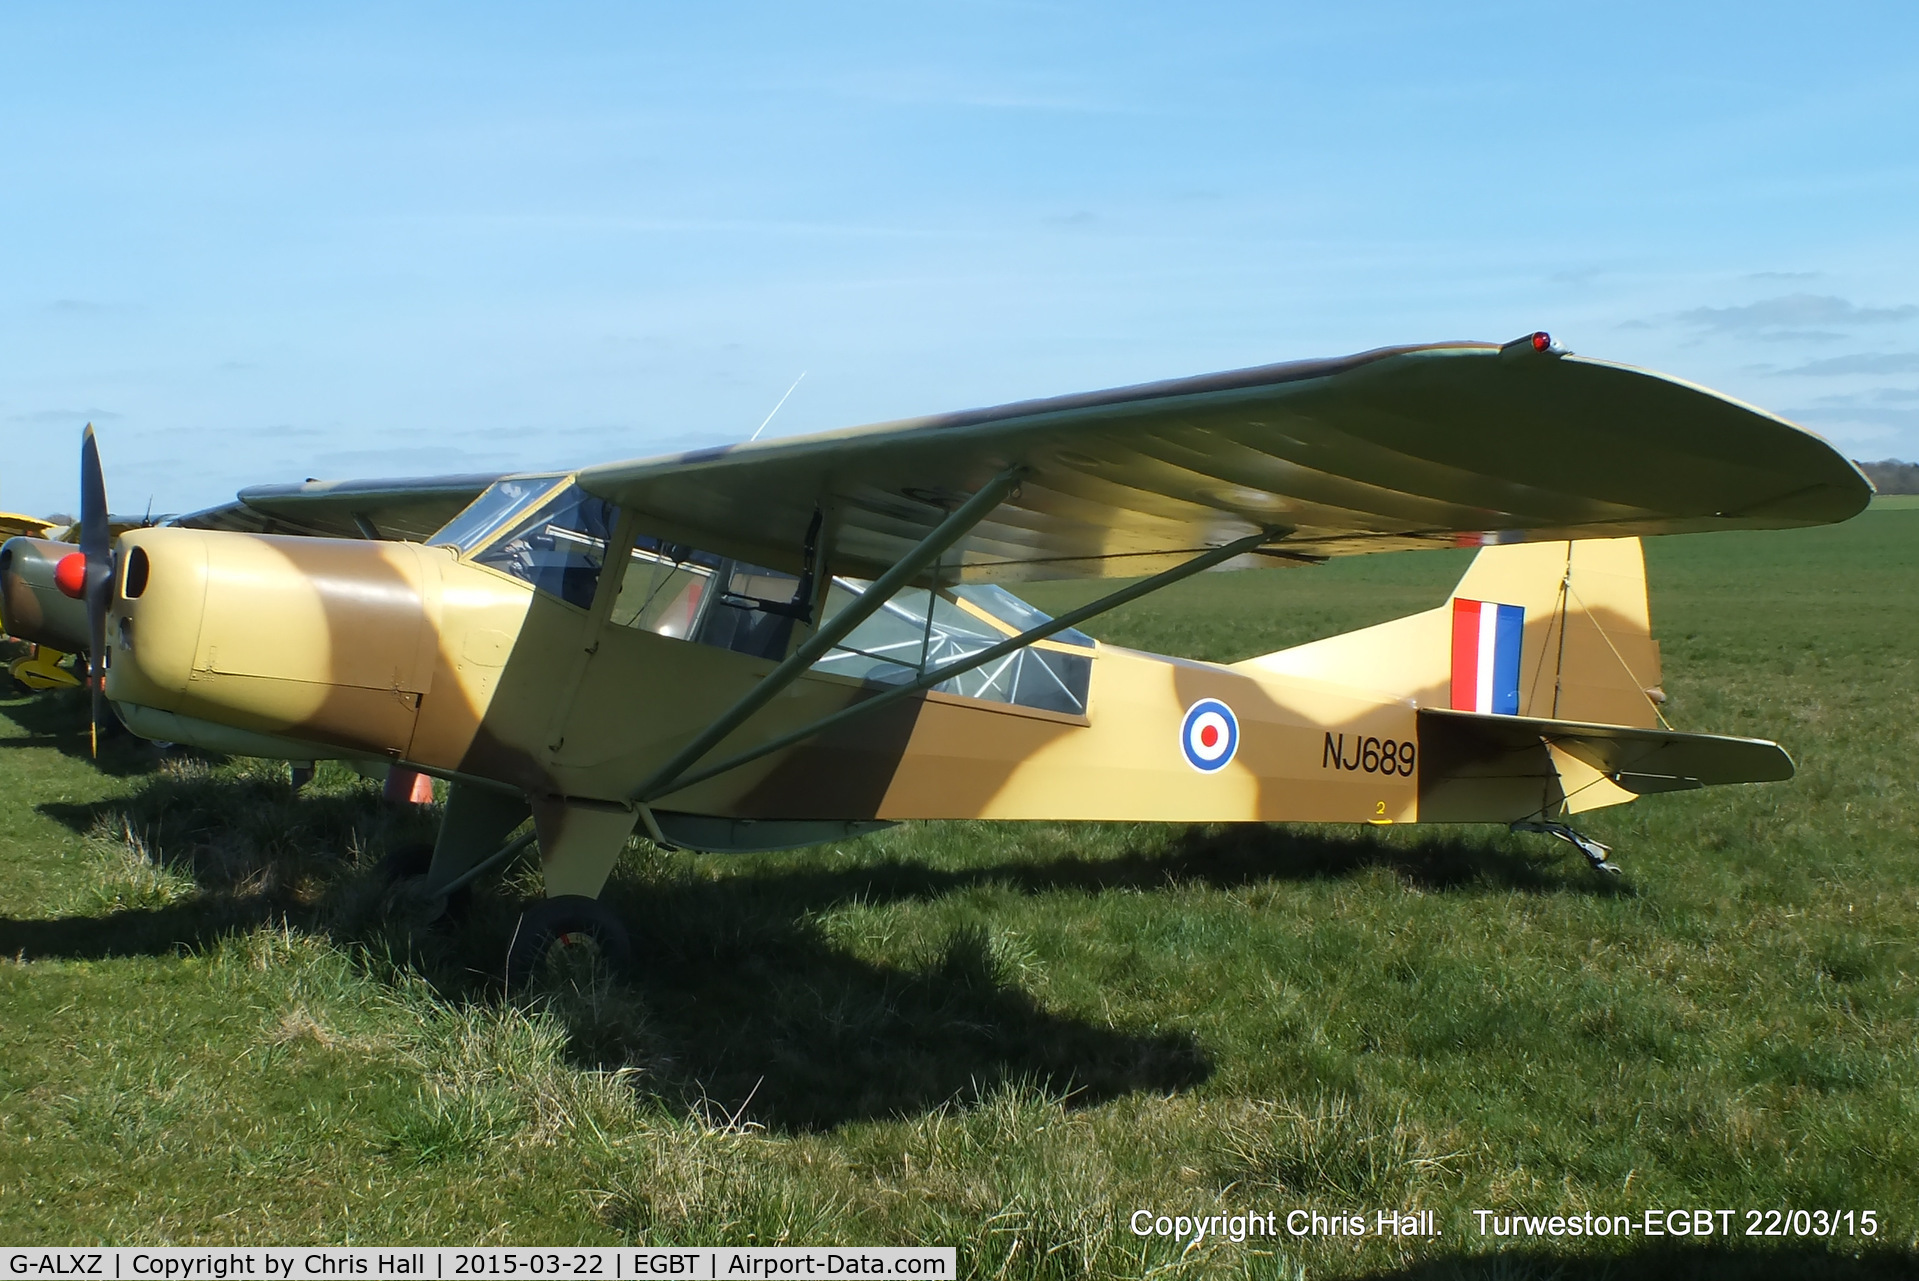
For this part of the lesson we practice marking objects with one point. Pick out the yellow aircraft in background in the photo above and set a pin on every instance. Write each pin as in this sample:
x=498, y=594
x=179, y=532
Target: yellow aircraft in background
x=15, y=525
x=42, y=667
x=42, y=608
x=781, y=643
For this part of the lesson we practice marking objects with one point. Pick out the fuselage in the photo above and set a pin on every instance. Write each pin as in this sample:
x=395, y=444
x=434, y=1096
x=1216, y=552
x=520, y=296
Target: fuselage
x=496, y=666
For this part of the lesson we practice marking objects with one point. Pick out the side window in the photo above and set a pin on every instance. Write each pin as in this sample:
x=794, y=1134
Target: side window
x=674, y=590
x=917, y=631
x=560, y=548
x=666, y=589
x=738, y=618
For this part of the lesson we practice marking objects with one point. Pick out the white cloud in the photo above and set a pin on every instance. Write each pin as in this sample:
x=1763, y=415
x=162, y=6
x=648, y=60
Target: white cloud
x=1885, y=362
x=1793, y=312
x=63, y=417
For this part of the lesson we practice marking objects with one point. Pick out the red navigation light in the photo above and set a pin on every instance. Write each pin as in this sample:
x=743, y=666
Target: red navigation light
x=1526, y=346
x=70, y=575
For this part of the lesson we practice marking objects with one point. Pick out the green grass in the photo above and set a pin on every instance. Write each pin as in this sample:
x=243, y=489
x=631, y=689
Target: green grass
x=213, y=1028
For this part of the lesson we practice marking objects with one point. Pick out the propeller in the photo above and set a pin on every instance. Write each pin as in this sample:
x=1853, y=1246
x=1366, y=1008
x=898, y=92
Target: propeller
x=96, y=547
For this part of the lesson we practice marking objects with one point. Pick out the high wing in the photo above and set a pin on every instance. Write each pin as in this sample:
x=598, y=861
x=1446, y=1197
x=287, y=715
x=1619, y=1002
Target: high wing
x=1390, y=449
x=13, y=524
x=409, y=509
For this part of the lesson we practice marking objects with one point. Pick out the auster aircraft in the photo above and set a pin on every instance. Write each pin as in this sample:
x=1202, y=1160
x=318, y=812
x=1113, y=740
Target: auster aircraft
x=41, y=667
x=39, y=608
x=782, y=643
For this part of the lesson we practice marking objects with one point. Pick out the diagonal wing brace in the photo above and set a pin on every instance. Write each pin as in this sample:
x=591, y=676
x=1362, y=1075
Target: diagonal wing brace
x=949, y=531
x=665, y=780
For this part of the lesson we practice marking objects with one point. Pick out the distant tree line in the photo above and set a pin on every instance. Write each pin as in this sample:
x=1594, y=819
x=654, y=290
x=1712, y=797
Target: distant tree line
x=1890, y=476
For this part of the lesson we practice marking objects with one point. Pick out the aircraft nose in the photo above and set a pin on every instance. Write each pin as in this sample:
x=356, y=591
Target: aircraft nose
x=327, y=640
x=32, y=605
x=153, y=621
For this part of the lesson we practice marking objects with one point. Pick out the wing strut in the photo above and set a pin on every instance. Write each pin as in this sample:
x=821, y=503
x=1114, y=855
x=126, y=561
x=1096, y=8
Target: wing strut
x=663, y=780
x=956, y=526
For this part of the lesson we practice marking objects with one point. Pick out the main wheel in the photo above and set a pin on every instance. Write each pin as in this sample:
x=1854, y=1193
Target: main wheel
x=565, y=922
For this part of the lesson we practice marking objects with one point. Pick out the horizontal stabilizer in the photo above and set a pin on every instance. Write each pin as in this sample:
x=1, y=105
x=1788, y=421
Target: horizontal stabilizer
x=1638, y=760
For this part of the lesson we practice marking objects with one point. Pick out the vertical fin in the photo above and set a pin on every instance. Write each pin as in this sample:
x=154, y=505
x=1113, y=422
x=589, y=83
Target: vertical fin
x=1574, y=641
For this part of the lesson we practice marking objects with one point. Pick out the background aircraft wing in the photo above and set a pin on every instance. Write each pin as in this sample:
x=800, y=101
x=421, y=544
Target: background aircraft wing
x=1396, y=448
x=15, y=525
x=411, y=509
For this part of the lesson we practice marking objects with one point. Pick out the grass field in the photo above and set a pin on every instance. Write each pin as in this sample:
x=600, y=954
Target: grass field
x=1010, y=1038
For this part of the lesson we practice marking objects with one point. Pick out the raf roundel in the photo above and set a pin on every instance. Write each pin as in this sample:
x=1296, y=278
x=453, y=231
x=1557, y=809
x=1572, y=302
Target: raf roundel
x=1209, y=735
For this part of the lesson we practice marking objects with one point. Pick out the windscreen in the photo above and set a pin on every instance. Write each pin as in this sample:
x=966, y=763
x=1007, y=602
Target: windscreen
x=484, y=516
x=560, y=548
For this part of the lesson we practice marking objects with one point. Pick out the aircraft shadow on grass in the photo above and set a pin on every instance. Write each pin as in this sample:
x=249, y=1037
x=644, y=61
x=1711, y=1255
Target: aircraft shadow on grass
x=738, y=999
x=738, y=1004
x=1232, y=855
x=58, y=719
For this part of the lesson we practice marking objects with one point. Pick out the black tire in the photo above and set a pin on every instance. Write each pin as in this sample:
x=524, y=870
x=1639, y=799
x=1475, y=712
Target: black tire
x=564, y=919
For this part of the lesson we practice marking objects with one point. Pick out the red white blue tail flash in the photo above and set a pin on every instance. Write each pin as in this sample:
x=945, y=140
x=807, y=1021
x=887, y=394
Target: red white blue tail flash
x=1209, y=735
x=1486, y=642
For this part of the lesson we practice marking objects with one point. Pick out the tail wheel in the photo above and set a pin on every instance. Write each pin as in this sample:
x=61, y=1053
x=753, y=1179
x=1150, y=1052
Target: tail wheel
x=569, y=924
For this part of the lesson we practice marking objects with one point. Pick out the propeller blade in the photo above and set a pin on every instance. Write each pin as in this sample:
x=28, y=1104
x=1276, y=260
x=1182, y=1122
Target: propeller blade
x=96, y=545
x=95, y=539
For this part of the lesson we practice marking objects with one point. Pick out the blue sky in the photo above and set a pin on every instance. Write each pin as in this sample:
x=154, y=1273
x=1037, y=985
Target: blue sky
x=256, y=243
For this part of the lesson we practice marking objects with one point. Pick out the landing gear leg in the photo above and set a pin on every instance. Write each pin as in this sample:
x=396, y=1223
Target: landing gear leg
x=1594, y=851
x=476, y=821
x=579, y=843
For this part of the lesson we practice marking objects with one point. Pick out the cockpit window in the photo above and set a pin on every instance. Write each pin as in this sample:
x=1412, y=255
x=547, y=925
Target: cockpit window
x=918, y=631
x=679, y=591
x=671, y=589
x=483, y=517
x=560, y=548
x=665, y=589
x=754, y=611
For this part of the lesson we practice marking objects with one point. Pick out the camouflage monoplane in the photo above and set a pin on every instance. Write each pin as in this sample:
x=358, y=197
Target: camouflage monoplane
x=789, y=642
x=43, y=666
x=37, y=607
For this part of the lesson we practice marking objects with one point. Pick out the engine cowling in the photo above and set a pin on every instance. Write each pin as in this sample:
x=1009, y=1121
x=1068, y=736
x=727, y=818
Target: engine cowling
x=32, y=606
x=326, y=641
